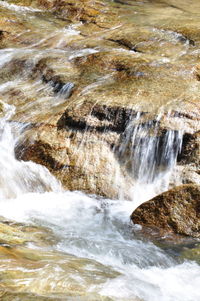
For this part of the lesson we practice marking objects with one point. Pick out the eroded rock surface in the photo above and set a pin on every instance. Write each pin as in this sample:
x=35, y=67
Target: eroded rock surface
x=81, y=161
x=176, y=210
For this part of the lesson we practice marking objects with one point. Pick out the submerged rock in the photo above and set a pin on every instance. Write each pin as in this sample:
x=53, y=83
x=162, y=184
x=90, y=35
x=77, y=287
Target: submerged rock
x=32, y=274
x=10, y=296
x=12, y=234
x=192, y=253
x=177, y=210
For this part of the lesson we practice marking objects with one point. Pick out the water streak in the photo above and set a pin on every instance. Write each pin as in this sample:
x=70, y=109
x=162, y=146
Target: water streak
x=149, y=153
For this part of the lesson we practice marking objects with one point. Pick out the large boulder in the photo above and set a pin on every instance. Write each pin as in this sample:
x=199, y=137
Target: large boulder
x=80, y=160
x=177, y=210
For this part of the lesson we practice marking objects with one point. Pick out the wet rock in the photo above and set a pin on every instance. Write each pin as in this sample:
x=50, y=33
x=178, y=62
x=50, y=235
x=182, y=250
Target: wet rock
x=133, y=81
x=80, y=10
x=177, y=210
x=49, y=76
x=9, y=296
x=80, y=160
x=9, y=29
x=49, y=275
x=185, y=174
x=190, y=153
x=192, y=253
x=98, y=118
x=12, y=234
x=1, y=107
x=187, y=170
x=84, y=148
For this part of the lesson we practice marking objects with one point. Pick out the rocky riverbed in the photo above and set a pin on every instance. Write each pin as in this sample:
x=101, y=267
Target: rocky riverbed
x=101, y=97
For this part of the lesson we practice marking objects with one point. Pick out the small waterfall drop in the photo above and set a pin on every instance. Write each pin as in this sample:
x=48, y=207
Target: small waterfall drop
x=149, y=153
x=19, y=177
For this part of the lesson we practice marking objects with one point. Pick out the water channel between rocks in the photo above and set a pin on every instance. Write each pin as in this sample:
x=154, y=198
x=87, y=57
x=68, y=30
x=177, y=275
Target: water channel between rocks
x=77, y=245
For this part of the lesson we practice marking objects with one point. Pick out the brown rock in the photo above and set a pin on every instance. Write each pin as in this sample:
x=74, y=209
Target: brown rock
x=191, y=150
x=177, y=210
x=80, y=160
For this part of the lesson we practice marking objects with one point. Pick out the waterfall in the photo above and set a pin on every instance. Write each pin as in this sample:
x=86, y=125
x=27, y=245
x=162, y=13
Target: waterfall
x=149, y=153
x=16, y=177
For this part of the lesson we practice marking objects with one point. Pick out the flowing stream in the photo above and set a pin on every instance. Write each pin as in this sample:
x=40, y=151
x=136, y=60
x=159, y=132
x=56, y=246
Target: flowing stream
x=95, y=252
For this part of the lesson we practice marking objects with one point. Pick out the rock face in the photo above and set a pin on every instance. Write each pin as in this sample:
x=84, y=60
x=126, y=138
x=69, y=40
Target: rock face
x=81, y=161
x=176, y=210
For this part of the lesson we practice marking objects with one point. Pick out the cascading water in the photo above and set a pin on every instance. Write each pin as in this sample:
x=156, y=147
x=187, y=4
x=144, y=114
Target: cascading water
x=19, y=177
x=150, y=154
x=96, y=252
x=98, y=230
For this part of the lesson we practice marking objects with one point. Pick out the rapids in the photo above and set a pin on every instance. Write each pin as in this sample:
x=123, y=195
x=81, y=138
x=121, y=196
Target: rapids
x=95, y=252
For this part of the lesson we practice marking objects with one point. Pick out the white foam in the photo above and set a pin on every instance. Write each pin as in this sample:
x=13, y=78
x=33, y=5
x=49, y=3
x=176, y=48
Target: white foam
x=180, y=283
x=17, y=177
x=99, y=230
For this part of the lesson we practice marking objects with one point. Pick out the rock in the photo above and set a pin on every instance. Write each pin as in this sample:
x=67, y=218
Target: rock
x=187, y=170
x=80, y=160
x=79, y=10
x=192, y=253
x=12, y=234
x=82, y=149
x=49, y=275
x=177, y=210
x=185, y=174
x=190, y=153
x=25, y=254
x=10, y=296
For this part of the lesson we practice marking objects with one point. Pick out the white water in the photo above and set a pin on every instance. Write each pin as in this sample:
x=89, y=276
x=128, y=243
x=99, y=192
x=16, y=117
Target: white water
x=90, y=228
x=101, y=231
x=150, y=156
x=17, y=178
